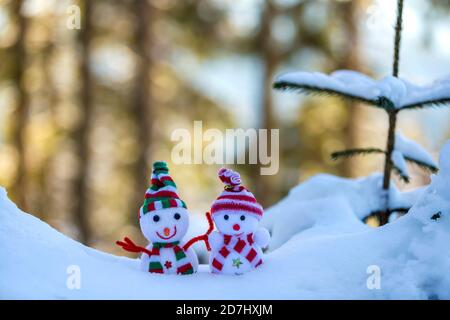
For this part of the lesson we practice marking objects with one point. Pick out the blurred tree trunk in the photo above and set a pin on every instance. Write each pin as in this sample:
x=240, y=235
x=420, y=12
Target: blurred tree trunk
x=142, y=104
x=82, y=132
x=45, y=198
x=21, y=112
x=349, y=11
x=269, y=57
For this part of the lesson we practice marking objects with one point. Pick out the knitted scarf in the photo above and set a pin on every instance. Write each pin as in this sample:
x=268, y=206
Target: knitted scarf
x=242, y=245
x=183, y=264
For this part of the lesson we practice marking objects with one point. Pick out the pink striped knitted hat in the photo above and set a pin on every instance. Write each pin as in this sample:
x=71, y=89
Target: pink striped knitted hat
x=235, y=197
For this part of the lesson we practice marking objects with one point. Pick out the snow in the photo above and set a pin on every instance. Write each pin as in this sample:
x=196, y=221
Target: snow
x=444, y=160
x=400, y=163
x=399, y=91
x=320, y=250
x=332, y=204
x=411, y=149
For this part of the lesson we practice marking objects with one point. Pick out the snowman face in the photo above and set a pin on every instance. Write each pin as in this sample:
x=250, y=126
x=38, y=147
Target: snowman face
x=166, y=225
x=235, y=223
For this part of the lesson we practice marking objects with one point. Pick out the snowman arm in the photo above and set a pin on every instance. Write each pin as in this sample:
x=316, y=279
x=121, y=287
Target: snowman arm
x=215, y=240
x=149, y=250
x=128, y=245
x=204, y=236
x=262, y=237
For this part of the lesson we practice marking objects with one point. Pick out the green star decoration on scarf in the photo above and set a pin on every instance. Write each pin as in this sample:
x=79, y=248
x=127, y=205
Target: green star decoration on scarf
x=237, y=263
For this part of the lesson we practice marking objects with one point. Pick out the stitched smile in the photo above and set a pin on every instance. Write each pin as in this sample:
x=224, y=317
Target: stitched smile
x=169, y=237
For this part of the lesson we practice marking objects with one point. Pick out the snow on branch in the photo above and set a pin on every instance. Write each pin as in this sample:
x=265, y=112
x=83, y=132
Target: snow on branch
x=400, y=167
x=406, y=150
x=423, y=165
x=337, y=84
x=414, y=152
x=399, y=93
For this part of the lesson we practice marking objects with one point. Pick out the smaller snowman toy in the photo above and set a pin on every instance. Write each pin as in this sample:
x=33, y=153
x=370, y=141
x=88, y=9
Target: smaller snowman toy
x=236, y=247
x=164, y=221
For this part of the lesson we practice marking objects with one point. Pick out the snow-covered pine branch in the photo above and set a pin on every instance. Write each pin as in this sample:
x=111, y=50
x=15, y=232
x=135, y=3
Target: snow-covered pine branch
x=400, y=93
x=406, y=150
x=414, y=152
x=321, y=84
x=399, y=164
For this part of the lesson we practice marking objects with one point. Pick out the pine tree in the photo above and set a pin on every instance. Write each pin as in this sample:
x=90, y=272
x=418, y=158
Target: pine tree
x=357, y=87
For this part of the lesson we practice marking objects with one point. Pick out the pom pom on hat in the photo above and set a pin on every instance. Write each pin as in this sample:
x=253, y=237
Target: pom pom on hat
x=235, y=197
x=160, y=167
x=230, y=178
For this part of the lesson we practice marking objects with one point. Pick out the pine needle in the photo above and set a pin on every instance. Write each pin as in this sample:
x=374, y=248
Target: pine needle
x=354, y=152
x=422, y=164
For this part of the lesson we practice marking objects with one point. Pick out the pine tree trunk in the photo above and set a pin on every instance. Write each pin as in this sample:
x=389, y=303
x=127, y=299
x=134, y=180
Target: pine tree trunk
x=264, y=190
x=349, y=12
x=21, y=112
x=384, y=216
x=44, y=203
x=142, y=104
x=82, y=132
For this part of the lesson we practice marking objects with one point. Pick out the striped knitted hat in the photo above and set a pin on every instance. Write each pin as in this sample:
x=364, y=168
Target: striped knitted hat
x=235, y=197
x=162, y=193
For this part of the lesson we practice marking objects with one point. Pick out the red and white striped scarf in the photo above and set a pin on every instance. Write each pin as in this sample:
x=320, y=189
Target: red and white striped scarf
x=243, y=245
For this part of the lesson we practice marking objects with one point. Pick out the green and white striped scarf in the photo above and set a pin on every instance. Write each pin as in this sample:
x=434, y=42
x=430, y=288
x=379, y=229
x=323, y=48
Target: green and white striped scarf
x=183, y=265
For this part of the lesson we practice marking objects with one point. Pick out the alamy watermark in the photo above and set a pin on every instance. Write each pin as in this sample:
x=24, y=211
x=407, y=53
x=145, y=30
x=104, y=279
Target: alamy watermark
x=234, y=146
x=373, y=281
x=73, y=21
x=73, y=281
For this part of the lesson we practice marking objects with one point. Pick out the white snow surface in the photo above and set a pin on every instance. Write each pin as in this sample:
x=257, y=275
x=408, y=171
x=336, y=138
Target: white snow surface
x=401, y=92
x=327, y=257
x=331, y=204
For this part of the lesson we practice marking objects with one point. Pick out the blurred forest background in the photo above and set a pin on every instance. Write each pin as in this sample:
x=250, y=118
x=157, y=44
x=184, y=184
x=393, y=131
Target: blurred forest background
x=84, y=112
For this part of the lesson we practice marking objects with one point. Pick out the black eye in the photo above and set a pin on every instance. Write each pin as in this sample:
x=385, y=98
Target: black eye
x=242, y=218
x=156, y=218
x=177, y=216
x=226, y=217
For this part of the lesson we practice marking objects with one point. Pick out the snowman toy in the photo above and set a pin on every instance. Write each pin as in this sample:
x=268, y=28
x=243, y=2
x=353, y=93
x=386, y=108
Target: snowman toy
x=164, y=221
x=236, y=246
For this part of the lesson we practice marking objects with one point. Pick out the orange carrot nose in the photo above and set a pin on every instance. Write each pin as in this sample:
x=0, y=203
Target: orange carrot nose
x=166, y=232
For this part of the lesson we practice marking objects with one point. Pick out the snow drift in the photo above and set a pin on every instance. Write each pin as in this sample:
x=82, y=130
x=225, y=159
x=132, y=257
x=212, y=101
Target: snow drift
x=331, y=204
x=325, y=252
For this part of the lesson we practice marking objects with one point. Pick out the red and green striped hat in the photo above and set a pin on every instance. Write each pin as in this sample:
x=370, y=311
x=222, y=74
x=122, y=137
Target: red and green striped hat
x=162, y=193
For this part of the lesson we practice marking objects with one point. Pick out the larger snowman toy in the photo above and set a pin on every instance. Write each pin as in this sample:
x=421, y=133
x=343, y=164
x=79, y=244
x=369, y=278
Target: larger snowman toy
x=236, y=247
x=164, y=221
